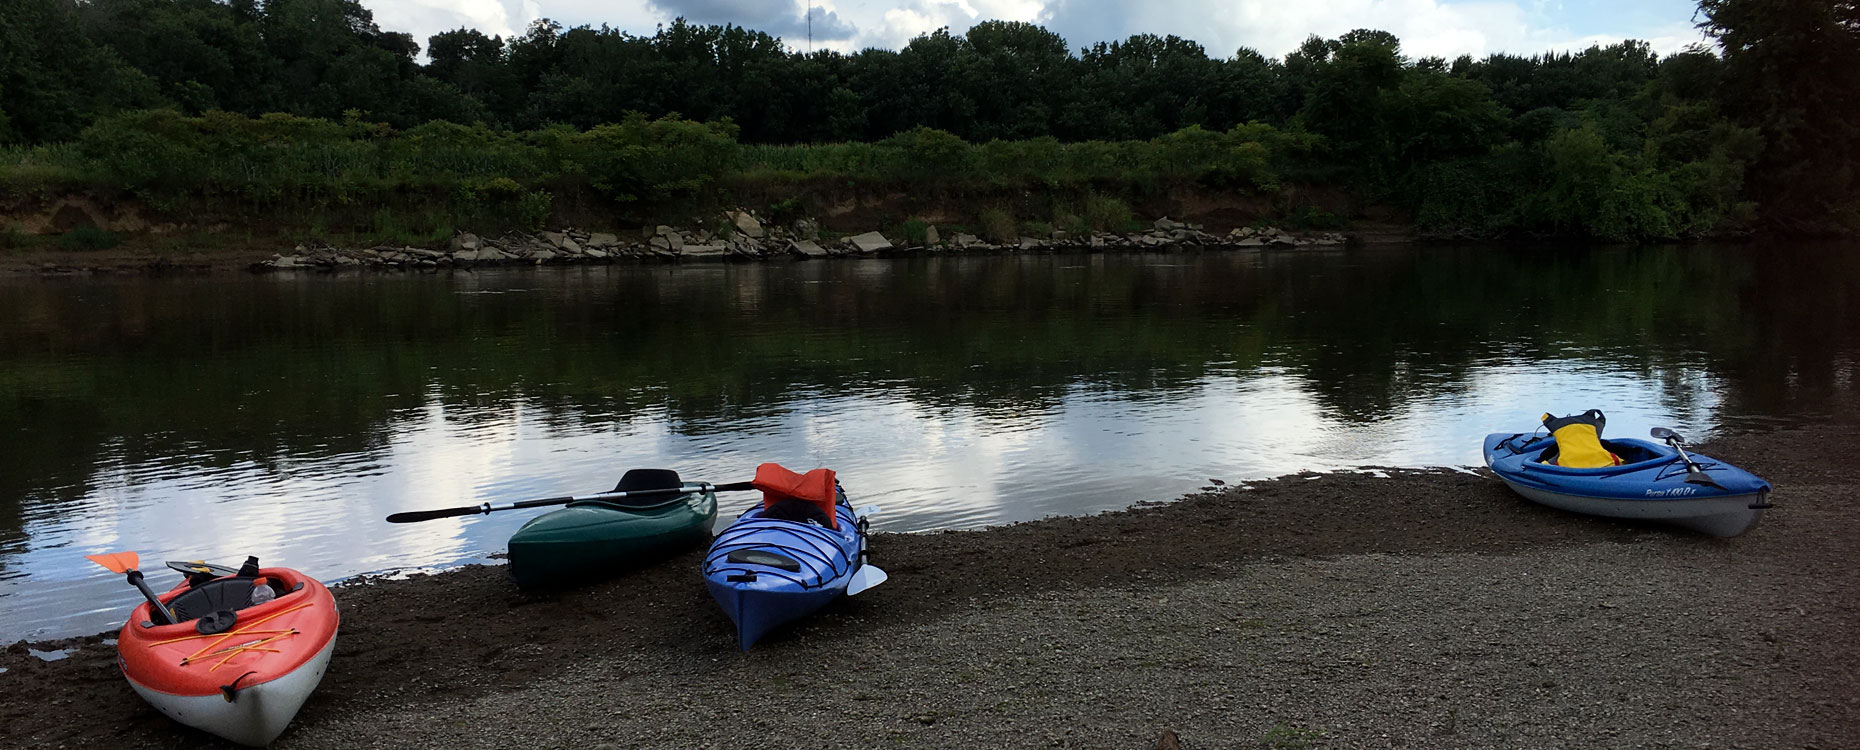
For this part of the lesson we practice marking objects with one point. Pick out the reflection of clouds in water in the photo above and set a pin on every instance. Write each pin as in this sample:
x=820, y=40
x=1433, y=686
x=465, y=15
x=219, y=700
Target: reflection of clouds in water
x=956, y=466
x=905, y=456
x=953, y=392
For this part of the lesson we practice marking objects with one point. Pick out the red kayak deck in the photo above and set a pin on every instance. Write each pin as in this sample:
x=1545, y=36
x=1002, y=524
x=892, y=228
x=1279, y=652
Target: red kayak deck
x=265, y=642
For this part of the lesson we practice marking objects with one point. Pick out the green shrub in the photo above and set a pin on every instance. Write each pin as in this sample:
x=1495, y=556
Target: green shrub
x=1106, y=214
x=998, y=226
x=915, y=232
x=1073, y=224
x=928, y=154
x=654, y=162
x=1312, y=217
x=786, y=212
x=1038, y=229
x=533, y=209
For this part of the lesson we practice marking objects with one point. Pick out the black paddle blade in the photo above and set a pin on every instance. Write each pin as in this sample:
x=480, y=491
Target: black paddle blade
x=416, y=516
x=1662, y=433
x=1700, y=477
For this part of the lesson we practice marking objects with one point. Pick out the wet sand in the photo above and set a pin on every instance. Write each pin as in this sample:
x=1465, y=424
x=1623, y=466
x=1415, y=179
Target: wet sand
x=1417, y=609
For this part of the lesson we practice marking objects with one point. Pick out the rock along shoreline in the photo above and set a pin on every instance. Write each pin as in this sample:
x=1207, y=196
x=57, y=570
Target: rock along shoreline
x=747, y=239
x=1412, y=609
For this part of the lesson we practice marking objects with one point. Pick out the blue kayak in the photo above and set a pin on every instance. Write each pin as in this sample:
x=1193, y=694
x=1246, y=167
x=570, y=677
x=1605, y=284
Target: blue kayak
x=1651, y=483
x=767, y=572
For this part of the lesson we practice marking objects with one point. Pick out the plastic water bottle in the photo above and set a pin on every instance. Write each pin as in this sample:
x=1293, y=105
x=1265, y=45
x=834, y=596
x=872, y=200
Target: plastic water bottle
x=261, y=593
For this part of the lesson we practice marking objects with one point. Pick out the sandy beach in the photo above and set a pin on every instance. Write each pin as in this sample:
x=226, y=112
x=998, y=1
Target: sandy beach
x=1385, y=609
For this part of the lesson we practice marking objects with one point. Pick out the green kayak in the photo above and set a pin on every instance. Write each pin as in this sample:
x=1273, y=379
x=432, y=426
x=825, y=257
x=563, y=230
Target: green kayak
x=595, y=539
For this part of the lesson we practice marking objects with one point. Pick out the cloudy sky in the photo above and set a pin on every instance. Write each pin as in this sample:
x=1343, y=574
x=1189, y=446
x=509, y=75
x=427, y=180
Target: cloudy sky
x=1274, y=27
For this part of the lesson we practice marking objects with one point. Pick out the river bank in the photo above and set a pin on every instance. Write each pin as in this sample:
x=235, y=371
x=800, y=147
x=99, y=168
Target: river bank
x=1337, y=610
x=736, y=236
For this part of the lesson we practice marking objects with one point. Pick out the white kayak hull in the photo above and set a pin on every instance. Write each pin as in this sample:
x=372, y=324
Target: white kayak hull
x=1726, y=516
x=256, y=715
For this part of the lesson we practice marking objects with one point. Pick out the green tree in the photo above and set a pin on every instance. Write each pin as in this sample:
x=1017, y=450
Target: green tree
x=1792, y=68
x=54, y=80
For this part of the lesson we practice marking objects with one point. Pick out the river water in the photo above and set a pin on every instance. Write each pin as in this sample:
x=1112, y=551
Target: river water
x=286, y=415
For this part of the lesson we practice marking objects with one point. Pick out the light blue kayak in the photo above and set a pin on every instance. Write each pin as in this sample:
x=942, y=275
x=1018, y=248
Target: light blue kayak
x=767, y=572
x=1653, y=482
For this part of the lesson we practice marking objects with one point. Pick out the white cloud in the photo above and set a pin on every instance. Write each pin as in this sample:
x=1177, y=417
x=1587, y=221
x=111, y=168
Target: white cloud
x=1273, y=27
x=788, y=19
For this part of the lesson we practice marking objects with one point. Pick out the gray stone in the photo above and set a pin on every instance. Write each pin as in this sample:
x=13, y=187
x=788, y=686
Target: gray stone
x=1029, y=243
x=466, y=241
x=704, y=251
x=603, y=240
x=806, y=229
x=542, y=255
x=661, y=243
x=466, y=255
x=286, y=261
x=555, y=238
x=870, y=242
x=931, y=237
x=677, y=240
x=808, y=248
x=1164, y=224
x=569, y=246
x=1250, y=242
x=595, y=252
x=965, y=240
x=746, y=224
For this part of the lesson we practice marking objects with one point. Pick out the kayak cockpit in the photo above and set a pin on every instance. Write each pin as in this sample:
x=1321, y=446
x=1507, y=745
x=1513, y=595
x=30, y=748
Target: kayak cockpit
x=1631, y=452
x=220, y=594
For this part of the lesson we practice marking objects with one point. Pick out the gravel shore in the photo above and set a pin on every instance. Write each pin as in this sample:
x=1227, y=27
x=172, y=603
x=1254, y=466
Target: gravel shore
x=1417, y=609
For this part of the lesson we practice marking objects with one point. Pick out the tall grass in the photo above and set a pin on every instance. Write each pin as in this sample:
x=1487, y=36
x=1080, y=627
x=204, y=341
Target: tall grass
x=1243, y=158
x=443, y=174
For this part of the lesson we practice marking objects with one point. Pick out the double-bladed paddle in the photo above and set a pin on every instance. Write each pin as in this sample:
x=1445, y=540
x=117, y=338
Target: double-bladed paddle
x=1695, y=474
x=125, y=563
x=678, y=488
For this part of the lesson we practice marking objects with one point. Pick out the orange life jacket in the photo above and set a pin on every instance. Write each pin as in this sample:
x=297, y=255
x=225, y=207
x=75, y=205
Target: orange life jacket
x=815, y=487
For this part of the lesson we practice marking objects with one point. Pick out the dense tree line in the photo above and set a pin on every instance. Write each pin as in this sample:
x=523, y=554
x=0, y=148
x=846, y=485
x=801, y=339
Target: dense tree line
x=1612, y=141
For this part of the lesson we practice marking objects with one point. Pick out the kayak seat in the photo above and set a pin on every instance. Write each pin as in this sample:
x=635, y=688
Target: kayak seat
x=798, y=510
x=1629, y=453
x=213, y=596
x=645, y=479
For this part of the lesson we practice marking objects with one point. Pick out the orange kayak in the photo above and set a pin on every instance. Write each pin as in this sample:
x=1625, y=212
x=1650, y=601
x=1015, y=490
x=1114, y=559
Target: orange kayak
x=229, y=667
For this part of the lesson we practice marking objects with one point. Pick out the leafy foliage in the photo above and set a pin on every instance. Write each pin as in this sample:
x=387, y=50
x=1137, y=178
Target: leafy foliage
x=309, y=101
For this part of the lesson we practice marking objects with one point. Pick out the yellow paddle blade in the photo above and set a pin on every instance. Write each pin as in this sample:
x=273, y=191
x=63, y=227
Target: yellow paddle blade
x=117, y=562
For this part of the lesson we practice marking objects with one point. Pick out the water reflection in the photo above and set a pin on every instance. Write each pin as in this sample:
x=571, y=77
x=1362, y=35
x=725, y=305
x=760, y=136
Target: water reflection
x=285, y=416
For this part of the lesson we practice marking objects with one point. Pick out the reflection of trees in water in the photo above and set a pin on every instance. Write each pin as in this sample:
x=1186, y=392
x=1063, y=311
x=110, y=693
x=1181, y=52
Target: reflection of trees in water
x=223, y=370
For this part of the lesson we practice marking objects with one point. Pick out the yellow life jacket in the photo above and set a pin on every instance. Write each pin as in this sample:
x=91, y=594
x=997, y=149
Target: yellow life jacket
x=1579, y=441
